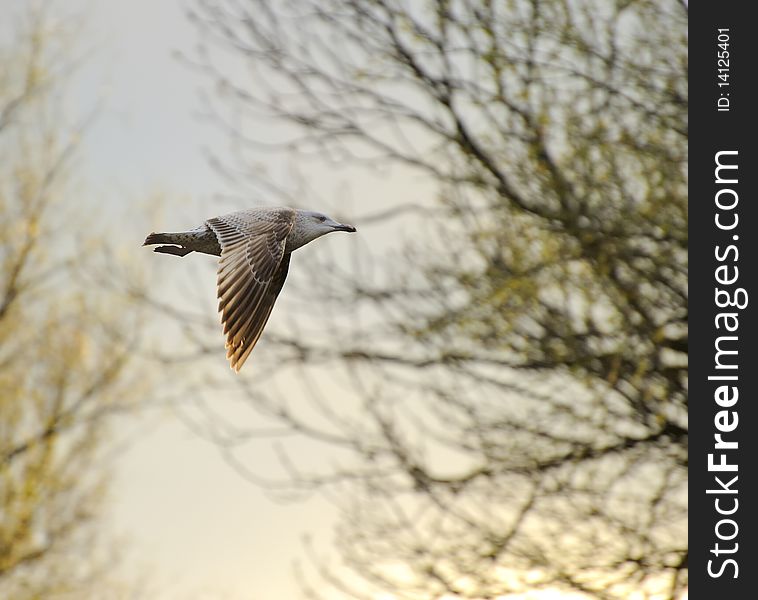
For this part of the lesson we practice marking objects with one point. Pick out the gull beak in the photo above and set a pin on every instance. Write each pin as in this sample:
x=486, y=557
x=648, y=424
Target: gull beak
x=344, y=227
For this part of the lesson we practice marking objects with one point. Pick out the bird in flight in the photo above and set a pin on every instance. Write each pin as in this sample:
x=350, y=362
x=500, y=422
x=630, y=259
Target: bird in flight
x=254, y=247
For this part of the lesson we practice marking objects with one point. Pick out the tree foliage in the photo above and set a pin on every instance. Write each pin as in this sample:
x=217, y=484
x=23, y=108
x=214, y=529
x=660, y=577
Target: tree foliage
x=518, y=373
x=65, y=345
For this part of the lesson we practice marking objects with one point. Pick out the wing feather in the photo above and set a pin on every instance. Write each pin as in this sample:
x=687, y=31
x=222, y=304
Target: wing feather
x=241, y=352
x=251, y=273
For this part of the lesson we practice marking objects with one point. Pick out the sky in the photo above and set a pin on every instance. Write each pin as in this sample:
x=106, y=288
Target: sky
x=188, y=525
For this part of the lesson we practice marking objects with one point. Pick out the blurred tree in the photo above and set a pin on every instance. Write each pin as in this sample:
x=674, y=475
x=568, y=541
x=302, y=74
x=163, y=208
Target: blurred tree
x=64, y=344
x=520, y=368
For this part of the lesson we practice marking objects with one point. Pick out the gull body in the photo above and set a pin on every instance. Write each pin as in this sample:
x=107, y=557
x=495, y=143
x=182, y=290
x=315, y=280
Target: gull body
x=254, y=247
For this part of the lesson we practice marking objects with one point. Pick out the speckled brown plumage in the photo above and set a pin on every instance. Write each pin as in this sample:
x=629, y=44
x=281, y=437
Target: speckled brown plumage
x=254, y=247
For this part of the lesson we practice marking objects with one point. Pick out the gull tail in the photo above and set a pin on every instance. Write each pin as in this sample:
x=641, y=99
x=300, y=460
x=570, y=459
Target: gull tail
x=166, y=238
x=159, y=238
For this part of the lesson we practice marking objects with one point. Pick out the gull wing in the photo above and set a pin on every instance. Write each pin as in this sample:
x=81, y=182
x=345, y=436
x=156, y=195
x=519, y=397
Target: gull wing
x=251, y=273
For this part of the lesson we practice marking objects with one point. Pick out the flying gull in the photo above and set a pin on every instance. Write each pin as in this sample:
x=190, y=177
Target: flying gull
x=255, y=247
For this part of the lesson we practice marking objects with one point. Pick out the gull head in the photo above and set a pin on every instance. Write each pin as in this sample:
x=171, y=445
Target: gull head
x=310, y=225
x=323, y=223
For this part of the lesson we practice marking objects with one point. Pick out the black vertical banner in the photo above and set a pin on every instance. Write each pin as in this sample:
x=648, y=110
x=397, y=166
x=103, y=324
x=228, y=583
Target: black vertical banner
x=723, y=51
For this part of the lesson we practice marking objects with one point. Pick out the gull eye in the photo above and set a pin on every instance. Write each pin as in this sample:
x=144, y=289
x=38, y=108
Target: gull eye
x=321, y=218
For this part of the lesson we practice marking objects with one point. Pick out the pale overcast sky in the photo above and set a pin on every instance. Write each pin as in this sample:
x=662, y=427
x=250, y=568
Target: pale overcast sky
x=189, y=523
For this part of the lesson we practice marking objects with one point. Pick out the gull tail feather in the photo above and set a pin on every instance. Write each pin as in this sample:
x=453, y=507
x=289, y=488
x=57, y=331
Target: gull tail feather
x=166, y=238
x=158, y=238
x=175, y=250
